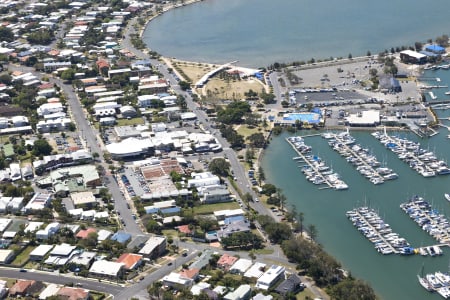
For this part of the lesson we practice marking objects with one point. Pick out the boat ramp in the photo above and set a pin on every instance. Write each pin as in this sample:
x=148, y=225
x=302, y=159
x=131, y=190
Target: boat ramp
x=315, y=170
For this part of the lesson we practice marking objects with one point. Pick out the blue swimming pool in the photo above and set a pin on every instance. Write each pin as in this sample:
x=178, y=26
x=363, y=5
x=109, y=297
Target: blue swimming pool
x=309, y=117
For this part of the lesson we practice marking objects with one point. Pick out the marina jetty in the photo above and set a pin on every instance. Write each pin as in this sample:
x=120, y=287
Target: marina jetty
x=365, y=162
x=429, y=219
x=373, y=227
x=315, y=170
x=421, y=160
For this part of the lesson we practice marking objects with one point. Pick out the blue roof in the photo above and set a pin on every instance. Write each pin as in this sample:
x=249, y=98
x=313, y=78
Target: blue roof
x=151, y=210
x=170, y=210
x=121, y=237
x=435, y=48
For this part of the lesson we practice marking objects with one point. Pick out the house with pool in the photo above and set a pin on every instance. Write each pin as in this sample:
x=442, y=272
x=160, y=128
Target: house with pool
x=313, y=118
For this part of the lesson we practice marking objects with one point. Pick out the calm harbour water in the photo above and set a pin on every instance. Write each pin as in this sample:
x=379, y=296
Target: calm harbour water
x=219, y=31
x=260, y=32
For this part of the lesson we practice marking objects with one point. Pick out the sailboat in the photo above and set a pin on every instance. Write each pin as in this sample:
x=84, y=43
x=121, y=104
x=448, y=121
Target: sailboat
x=424, y=282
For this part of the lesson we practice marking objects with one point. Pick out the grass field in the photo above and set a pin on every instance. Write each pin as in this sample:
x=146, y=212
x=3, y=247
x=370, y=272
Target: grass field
x=245, y=131
x=131, y=122
x=210, y=208
x=23, y=256
x=305, y=294
x=233, y=90
x=194, y=71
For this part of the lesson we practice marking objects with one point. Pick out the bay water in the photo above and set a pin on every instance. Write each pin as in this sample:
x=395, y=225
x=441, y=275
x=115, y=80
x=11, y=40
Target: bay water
x=260, y=32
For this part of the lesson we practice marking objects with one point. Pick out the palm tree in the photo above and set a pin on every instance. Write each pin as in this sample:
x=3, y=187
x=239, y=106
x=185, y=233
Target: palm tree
x=312, y=232
x=301, y=218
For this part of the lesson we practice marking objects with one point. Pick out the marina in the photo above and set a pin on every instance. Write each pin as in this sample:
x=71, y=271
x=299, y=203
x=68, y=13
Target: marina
x=373, y=227
x=421, y=160
x=438, y=282
x=366, y=164
x=315, y=170
x=429, y=219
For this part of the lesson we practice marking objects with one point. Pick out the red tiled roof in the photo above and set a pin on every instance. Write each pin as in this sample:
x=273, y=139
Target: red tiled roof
x=102, y=64
x=184, y=229
x=73, y=293
x=53, y=52
x=190, y=273
x=46, y=85
x=129, y=259
x=21, y=286
x=82, y=234
x=226, y=261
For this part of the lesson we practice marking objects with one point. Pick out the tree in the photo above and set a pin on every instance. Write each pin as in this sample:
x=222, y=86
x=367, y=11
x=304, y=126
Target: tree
x=257, y=140
x=418, y=46
x=42, y=147
x=261, y=176
x=42, y=37
x=6, y=34
x=219, y=166
x=267, y=98
x=350, y=289
x=269, y=189
x=301, y=218
x=68, y=74
x=184, y=85
x=312, y=231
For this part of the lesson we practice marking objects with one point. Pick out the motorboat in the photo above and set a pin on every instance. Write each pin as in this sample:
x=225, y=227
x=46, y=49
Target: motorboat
x=447, y=196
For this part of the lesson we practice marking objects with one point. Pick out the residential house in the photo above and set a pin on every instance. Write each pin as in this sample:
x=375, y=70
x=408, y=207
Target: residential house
x=131, y=261
x=243, y=292
x=70, y=293
x=226, y=261
x=292, y=284
x=23, y=287
x=108, y=269
x=39, y=253
x=176, y=280
x=270, y=277
x=154, y=247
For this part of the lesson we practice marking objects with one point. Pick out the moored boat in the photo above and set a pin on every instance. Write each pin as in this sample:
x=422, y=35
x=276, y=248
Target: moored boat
x=447, y=196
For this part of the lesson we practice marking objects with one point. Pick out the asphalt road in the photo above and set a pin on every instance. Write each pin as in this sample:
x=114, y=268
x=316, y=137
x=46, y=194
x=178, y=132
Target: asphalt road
x=91, y=284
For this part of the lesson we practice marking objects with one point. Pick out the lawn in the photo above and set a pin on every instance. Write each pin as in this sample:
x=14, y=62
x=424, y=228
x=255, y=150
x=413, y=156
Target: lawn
x=305, y=294
x=194, y=71
x=263, y=251
x=131, y=122
x=23, y=256
x=245, y=131
x=232, y=90
x=210, y=208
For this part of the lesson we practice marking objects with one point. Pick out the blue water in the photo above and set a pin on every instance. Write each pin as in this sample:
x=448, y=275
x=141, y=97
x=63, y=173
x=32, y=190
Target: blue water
x=260, y=32
x=311, y=118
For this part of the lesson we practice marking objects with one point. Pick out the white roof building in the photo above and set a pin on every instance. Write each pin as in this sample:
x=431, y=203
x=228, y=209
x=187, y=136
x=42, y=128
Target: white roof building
x=49, y=108
x=62, y=250
x=6, y=256
x=4, y=223
x=106, y=268
x=241, y=293
x=241, y=266
x=175, y=279
x=49, y=291
x=256, y=271
x=203, y=179
x=83, y=198
x=270, y=277
x=33, y=226
x=40, y=252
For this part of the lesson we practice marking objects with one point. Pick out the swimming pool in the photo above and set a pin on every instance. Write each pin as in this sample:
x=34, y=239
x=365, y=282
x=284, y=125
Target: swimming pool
x=309, y=117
